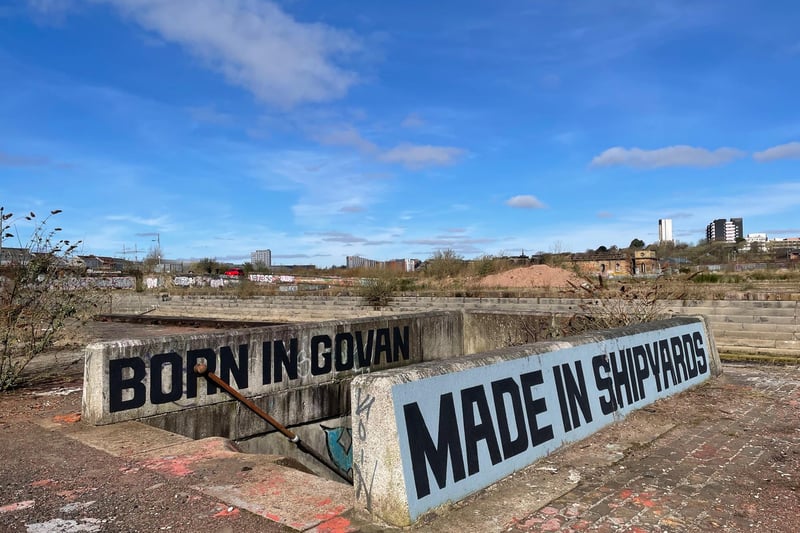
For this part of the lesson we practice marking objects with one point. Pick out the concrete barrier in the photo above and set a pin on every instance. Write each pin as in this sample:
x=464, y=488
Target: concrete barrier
x=298, y=373
x=435, y=432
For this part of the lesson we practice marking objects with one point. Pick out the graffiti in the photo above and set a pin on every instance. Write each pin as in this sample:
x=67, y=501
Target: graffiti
x=339, y=442
x=116, y=282
x=262, y=278
x=151, y=283
x=362, y=485
x=269, y=278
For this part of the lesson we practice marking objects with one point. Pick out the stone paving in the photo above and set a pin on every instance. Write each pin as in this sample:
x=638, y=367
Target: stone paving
x=733, y=465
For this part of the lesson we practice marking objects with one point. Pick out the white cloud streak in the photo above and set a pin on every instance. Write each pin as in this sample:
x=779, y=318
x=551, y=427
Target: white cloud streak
x=525, y=201
x=255, y=45
x=416, y=156
x=670, y=156
x=782, y=151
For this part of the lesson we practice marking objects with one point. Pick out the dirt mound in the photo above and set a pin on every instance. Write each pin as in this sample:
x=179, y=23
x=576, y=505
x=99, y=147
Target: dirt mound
x=532, y=276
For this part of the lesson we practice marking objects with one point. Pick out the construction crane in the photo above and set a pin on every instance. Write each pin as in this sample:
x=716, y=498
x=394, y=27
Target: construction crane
x=158, y=243
x=128, y=252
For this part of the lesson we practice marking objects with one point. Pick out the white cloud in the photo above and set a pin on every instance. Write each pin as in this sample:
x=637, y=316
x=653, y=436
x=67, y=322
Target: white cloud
x=413, y=121
x=782, y=151
x=670, y=156
x=349, y=137
x=51, y=7
x=255, y=45
x=417, y=156
x=525, y=201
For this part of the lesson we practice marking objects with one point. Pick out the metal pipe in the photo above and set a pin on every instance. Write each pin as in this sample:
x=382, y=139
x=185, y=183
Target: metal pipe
x=202, y=370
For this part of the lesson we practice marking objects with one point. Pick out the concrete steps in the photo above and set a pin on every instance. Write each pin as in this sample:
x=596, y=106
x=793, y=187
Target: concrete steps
x=738, y=326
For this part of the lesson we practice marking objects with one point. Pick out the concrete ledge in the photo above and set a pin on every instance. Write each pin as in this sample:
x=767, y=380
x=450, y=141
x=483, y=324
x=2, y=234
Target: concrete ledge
x=291, y=364
x=433, y=433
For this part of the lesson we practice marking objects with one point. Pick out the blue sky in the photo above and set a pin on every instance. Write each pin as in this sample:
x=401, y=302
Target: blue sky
x=395, y=129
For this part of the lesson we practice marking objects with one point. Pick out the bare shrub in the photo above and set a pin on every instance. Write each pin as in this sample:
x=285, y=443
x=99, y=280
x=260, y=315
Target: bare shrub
x=379, y=291
x=42, y=299
x=632, y=302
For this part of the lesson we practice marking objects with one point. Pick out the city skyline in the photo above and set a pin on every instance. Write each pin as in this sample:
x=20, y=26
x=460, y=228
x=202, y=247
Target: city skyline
x=323, y=131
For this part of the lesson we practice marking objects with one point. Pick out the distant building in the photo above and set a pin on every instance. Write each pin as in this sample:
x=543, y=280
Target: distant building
x=725, y=230
x=756, y=241
x=785, y=243
x=665, y=230
x=396, y=265
x=10, y=256
x=356, y=261
x=616, y=263
x=261, y=257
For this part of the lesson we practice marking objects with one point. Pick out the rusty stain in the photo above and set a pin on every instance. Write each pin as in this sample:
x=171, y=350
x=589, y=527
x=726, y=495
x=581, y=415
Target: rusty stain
x=43, y=483
x=68, y=419
x=227, y=512
x=17, y=506
x=335, y=525
x=179, y=466
x=706, y=451
x=271, y=516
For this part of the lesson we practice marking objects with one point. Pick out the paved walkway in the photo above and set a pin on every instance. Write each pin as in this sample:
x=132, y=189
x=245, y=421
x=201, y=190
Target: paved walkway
x=722, y=457
x=733, y=464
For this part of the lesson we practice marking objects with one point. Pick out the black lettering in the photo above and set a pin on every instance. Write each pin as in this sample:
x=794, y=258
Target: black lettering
x=401, y=344
x=325, y=367
x=339, y=362
x=117, y=384
x=677, y=358
x=562, y=399
x=631, y=372
x=157, y=363
x=691, y=356
x=535, y=407
x=282, y=361
x=208, y=356
x=608, y=403
x=666, y=363
x=383, y=345
x=702, y=364
x=500, y=390
x=576, y=393
x=424, y=452
x=621, y=379
x=642, y=370
x=228, y=366
x=474, y=432
x=364, y=352
x=655, y=364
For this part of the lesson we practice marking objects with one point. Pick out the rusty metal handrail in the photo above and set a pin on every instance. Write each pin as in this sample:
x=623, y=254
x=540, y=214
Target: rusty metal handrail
x=202, y=370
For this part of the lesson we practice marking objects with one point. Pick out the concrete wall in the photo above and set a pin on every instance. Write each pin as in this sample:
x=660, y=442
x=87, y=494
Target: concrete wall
x=754, y=326
x=298, y=373
x=432, y=433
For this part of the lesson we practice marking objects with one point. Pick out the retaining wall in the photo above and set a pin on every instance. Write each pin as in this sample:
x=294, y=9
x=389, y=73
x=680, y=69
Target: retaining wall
x=298, y=373
x=754, y=327
x=433, y=433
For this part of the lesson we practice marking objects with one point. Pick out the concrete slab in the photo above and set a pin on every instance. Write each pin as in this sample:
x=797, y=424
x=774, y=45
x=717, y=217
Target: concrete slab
x=271, y=486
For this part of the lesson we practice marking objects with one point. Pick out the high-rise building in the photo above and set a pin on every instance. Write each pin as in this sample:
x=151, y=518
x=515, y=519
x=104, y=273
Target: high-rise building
x=261, y=257
x=665, y=230
x=725, y=230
